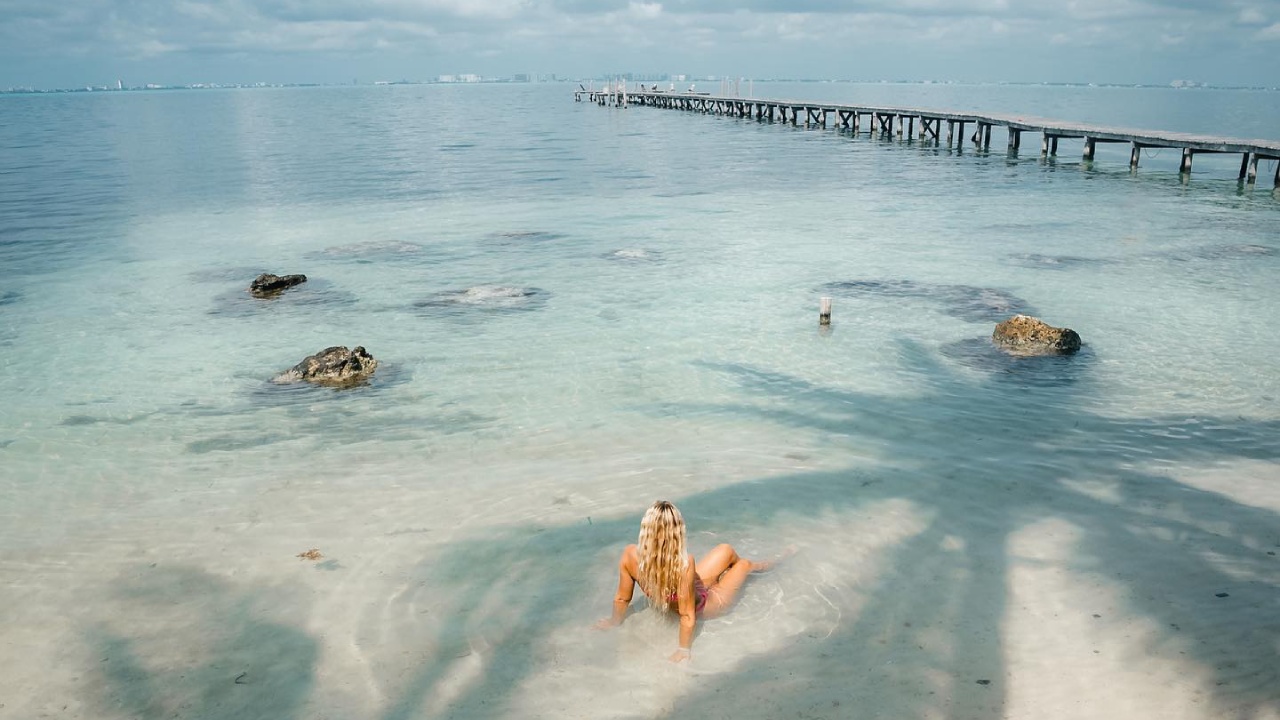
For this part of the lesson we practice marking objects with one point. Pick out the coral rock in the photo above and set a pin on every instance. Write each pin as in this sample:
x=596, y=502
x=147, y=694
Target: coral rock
x=332, y=366
x=267, y=285
x=1025, y=335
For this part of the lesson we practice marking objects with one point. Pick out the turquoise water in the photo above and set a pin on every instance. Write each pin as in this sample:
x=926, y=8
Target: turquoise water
x=665, y=343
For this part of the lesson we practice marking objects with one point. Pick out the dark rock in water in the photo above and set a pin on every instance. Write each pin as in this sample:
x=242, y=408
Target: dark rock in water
x=267, y=285
x=332, y=366
x=1025, y=335
x=967, y=302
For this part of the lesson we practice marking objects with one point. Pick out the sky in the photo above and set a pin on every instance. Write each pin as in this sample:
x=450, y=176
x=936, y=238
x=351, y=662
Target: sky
x=73, y=43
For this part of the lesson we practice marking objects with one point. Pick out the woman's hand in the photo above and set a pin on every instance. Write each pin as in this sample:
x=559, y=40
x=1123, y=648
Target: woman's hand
x=604, y=624
x=681, y=655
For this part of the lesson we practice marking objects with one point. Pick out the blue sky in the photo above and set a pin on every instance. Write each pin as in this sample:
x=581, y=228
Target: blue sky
x=69, y=43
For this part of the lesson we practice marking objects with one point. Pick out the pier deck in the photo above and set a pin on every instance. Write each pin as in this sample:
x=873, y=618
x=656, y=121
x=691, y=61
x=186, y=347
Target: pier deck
x=902, y=122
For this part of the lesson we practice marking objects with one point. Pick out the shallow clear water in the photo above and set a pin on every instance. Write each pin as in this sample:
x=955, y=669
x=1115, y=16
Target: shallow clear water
x=664, y=343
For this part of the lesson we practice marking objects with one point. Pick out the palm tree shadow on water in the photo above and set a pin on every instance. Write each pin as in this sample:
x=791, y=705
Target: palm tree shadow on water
x=202, y=647
x=956, y=451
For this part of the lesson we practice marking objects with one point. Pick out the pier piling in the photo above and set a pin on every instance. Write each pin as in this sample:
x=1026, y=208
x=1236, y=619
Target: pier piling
x=891, y=122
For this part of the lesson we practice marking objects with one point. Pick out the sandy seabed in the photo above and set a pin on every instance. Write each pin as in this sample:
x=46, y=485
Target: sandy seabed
x=1149, y=593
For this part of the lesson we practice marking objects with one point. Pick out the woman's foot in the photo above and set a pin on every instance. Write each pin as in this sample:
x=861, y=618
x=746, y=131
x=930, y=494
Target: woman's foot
x=758, y=566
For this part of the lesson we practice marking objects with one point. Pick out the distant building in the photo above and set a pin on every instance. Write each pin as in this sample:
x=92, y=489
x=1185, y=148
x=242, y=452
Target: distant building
x=520, y=77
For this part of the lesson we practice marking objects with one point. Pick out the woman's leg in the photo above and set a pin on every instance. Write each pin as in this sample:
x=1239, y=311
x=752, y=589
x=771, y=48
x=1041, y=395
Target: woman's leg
x=722, y=592
x=715, y=563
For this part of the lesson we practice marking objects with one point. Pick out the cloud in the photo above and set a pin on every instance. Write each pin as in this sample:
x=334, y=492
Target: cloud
x=645, y=10
x=693, y=35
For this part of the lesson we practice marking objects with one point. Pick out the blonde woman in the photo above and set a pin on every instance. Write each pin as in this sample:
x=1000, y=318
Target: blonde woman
x=661, y=564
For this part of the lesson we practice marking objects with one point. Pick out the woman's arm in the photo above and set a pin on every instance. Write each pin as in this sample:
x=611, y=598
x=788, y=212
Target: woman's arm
x=688, y=602
x=626, y=589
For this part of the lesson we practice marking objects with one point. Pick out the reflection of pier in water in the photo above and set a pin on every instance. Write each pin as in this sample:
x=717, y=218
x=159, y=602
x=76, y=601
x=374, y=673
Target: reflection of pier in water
x=901, y=122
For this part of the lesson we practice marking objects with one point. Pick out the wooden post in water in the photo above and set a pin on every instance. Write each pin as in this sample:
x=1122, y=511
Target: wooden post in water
x=1185, y=167
x=824, y=311
x=1244, y=166
x=1089, y=146
x=951, y=131
x=1015, y=139
x=1253, y=169
x=959, y=135
x=1134, y=155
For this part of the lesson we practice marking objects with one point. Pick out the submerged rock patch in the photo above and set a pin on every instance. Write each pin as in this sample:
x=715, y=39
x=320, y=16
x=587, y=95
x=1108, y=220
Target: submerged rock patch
x=1056, y=262
x=493, y=298
x=1231, y=252
x=1047, y=371
x=634, y=255
x=238, y=303
x=383, y=249
x=967, y=302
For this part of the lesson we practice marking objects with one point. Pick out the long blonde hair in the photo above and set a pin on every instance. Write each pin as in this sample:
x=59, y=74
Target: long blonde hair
x=661, y=553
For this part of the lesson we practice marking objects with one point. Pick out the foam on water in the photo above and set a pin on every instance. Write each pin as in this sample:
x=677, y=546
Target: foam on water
x=572, y=319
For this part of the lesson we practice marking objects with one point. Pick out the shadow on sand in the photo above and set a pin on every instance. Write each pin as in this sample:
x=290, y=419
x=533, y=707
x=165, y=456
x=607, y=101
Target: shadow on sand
x=205, y=649
x=969, y=473
x=1150, y=534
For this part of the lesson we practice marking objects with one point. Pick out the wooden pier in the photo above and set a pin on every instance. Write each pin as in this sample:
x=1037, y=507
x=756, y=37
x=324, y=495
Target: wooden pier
x=926, y=125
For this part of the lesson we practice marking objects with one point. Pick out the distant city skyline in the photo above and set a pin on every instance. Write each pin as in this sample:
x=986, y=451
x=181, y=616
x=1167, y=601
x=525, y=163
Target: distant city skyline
x=78, y=43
